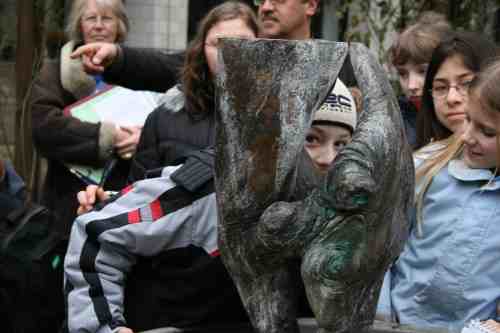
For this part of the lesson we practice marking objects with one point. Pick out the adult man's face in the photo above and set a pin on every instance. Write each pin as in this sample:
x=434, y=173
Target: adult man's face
x=286, y=19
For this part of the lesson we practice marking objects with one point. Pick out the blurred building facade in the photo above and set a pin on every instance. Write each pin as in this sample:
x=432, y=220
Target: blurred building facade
x=158, y=24
x=170, y=24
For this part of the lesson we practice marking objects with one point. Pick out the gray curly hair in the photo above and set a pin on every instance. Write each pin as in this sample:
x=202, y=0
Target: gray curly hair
x=73, y=27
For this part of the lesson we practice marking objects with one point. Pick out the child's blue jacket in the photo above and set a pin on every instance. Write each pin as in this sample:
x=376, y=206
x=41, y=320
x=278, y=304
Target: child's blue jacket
x=451, y=273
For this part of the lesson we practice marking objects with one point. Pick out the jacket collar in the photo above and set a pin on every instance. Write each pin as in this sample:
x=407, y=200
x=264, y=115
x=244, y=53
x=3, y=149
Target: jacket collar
x=73, y=77
x=173, y=99
x=459, y=170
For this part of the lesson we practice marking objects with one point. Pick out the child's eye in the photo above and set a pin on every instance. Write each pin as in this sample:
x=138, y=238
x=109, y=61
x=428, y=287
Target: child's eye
x=440, y=90
x=402, y=74
x=312, y=139
x=340, y=144
x=422, y=69
x=489, y=133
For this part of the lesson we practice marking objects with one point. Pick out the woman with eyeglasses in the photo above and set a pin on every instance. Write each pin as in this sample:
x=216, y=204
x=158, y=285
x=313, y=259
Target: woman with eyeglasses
x=453, y=65
x=66, y=141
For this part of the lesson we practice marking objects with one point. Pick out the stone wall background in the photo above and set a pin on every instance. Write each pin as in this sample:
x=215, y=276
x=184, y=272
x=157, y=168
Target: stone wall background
x=7, y=76
x=160, y=24
x=7, y=108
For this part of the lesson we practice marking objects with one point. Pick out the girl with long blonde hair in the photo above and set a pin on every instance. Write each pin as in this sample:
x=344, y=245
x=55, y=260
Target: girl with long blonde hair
x=448, y=271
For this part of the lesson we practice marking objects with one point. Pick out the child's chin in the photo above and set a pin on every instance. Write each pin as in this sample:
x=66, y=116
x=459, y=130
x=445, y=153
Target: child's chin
x=322, y=170
x=474, y=163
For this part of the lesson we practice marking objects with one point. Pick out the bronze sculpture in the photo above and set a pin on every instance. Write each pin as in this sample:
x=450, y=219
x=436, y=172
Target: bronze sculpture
x=277, y=217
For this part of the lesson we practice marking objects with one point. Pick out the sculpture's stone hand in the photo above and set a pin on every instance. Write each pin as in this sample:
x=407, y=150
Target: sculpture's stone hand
x=378, y=161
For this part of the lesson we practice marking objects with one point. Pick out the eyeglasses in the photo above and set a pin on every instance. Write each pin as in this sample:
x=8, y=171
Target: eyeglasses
x=273, y=2
x=441, y=91
x=93, y=19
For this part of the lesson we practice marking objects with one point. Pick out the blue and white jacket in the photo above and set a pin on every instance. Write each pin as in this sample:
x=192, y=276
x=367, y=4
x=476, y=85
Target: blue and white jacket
x=151, y=217
x=451, y=273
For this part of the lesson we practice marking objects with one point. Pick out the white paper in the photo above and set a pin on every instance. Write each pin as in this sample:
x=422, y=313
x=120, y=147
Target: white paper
x=118, y=105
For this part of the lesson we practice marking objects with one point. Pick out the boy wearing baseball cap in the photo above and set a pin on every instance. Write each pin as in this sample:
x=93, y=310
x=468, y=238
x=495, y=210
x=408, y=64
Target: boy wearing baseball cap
x=332, y=127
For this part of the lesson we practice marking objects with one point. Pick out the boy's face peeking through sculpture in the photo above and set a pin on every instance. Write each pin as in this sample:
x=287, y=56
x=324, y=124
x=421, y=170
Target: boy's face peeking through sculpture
x=324, y=141
x=332, y=127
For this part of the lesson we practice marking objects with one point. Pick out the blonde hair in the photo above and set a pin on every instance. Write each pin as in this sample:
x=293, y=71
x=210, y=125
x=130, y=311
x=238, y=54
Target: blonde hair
x=485, y=90
x=437, y=155
x=73, y=27
x=417, y=42
x=485, y=86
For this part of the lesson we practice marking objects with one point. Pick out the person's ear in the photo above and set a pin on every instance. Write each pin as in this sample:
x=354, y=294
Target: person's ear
x=312, y=7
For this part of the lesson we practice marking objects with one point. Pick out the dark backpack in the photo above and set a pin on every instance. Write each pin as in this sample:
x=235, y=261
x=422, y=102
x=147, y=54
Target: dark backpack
x=31, y=270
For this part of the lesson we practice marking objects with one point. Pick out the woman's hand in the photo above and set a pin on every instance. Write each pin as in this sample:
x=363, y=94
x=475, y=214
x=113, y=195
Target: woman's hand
x=87, y=199
x=125, y=330
x=126, y=140
x=492, y=325
x=96, y=56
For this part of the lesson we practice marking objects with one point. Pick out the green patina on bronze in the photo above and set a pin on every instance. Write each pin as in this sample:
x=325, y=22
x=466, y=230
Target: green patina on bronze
x=277, y=224
x=348, y=241
x=360, y=199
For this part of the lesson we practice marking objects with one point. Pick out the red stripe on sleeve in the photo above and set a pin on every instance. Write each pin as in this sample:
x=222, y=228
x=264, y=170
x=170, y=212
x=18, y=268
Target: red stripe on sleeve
x=134, y=216
x=127, y=189
x=156, y=210
x=215, y=253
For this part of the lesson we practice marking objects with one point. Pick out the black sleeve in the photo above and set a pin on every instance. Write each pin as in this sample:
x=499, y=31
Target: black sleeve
x=147, y=155
x=145, y=69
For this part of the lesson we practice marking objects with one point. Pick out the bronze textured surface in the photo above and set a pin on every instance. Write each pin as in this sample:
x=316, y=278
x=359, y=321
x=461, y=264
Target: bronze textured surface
x=280, y=223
